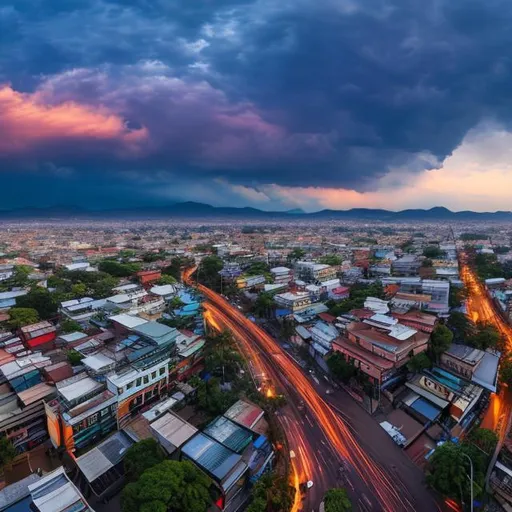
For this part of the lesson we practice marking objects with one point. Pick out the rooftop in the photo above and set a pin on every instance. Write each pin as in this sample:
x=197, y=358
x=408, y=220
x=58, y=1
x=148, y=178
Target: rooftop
x=128, y=321
x=244, y=413
x=172, y=431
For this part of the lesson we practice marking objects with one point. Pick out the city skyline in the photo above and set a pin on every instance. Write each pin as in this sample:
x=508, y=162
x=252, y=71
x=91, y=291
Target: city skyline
x=303, y=104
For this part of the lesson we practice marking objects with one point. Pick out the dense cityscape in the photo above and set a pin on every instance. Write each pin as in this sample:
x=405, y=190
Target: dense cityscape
x=255, y=256
x=255, y=366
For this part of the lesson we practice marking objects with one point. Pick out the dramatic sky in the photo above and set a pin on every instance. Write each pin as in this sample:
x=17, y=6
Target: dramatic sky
x=276, y=104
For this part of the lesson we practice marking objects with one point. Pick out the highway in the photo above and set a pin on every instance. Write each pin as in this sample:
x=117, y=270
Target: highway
x=321, y=436
x=482, y=309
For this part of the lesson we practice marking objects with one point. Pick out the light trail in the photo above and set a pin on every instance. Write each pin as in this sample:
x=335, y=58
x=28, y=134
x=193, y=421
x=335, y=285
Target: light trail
x=481, y=308
x=333, y=427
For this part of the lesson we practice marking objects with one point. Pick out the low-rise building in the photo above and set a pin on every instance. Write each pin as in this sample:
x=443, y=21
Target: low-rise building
x=294, y=301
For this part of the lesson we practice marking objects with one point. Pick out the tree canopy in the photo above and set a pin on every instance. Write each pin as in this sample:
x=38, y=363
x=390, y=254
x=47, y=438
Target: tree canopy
x=449, y=469
x=116, y=269
x=484, y=438
x=168, y=486
x=331, y=259
x=272, y=493
x=432, y=252
x=141, y=456
x=337, y=500
x=67, y=325
x=41, y=300
x=340, y=368
x=19, y=317
x=419, y=362
x=7, y=452
x=440, y=340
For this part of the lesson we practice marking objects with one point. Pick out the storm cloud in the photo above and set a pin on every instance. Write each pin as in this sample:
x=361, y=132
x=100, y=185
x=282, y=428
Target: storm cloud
x=327, y=94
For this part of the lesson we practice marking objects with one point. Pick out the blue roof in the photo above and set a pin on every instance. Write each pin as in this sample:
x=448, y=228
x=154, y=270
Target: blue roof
x=229, y=434
x=213, y=457
x=425, y=408
x=157, y=332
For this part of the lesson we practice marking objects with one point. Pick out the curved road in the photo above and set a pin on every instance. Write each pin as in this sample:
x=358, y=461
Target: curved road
x=325, y=441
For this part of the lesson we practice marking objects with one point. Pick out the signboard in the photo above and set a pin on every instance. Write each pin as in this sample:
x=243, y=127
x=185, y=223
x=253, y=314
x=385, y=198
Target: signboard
x=436, y=388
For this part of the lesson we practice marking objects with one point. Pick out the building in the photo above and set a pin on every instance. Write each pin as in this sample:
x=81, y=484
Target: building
x=378, y=347
x=55, y=492
x=148, y=276
x=22, y=415
x=243, y=282
x=294, y=302
x=281, y=275
x=8, y=299
x=40, y=335
x=407, y=265
x=80, y=310
x=478, y=366
x=314, y=273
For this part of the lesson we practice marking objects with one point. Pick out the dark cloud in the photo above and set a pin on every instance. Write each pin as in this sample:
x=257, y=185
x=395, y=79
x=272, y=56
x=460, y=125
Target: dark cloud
x=329, y=93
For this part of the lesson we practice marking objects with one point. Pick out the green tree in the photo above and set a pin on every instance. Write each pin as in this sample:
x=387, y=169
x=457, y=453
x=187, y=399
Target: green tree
x=20, y=277
x=484, y=438
x=212, y=399
x=7, y=453
x=41, y=300
x=117, y=269
x=296, y=254
x=461, y=324
x=271, y=493
x=287, y=329
x=19, y=317
x=337, y=500
x=419, y=362
x=440, y=340
x=506, y=370
x=74, y=357
x=141, y=456
x=67, y=325
x=208, y=272
x=79, y=290
x=432, y=252
x=168, y=486
x=166, y=279
x=264, y=304
x=174, y=269
x=449, y=469
x=484, y=336
x=331, y=259
x=340, y=368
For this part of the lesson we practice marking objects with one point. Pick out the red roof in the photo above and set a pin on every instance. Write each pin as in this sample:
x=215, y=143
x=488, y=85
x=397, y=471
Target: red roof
x=59, y=371
x=326, y=317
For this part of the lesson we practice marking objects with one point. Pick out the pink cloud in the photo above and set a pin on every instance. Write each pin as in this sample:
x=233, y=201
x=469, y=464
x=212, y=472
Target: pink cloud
x=27, y=123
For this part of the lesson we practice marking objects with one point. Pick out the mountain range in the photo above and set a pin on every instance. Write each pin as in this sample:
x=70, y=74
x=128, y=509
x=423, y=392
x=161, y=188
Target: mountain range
x=193, y=210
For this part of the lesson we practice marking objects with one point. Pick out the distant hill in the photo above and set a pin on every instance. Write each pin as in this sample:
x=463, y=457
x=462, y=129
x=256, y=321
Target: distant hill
x=194, y=210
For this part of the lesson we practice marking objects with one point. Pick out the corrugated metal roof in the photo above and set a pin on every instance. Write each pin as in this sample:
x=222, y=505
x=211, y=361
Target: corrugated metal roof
x=229, y=434
x=212, y=456
x=173, y=430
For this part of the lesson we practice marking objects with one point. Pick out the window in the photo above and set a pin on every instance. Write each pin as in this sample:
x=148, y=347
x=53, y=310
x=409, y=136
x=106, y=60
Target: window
x=146, y=379
x=153, y=375
x=104, y=412
x=91, y=420
x=119, y=391
x=162, y=370
x=129, y=385
x=139, y=382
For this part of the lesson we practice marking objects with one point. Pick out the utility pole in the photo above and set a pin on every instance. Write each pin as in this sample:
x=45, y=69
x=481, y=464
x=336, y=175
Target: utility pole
x=471, y=478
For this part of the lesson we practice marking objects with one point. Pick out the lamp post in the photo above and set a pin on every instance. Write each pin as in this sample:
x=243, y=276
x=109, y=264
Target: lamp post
x=471, y=468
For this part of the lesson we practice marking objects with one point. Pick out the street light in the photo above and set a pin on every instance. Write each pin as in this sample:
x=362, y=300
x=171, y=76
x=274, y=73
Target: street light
x=471, y=467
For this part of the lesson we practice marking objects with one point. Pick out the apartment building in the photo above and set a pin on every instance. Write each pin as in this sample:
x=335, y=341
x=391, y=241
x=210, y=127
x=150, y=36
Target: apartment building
x=314, y=273
x=294, y=301
x=281, y=275
x=380, y=345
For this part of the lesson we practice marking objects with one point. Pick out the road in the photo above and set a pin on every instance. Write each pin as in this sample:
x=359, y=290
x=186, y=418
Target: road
x=324, y=432
x=482, y=309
